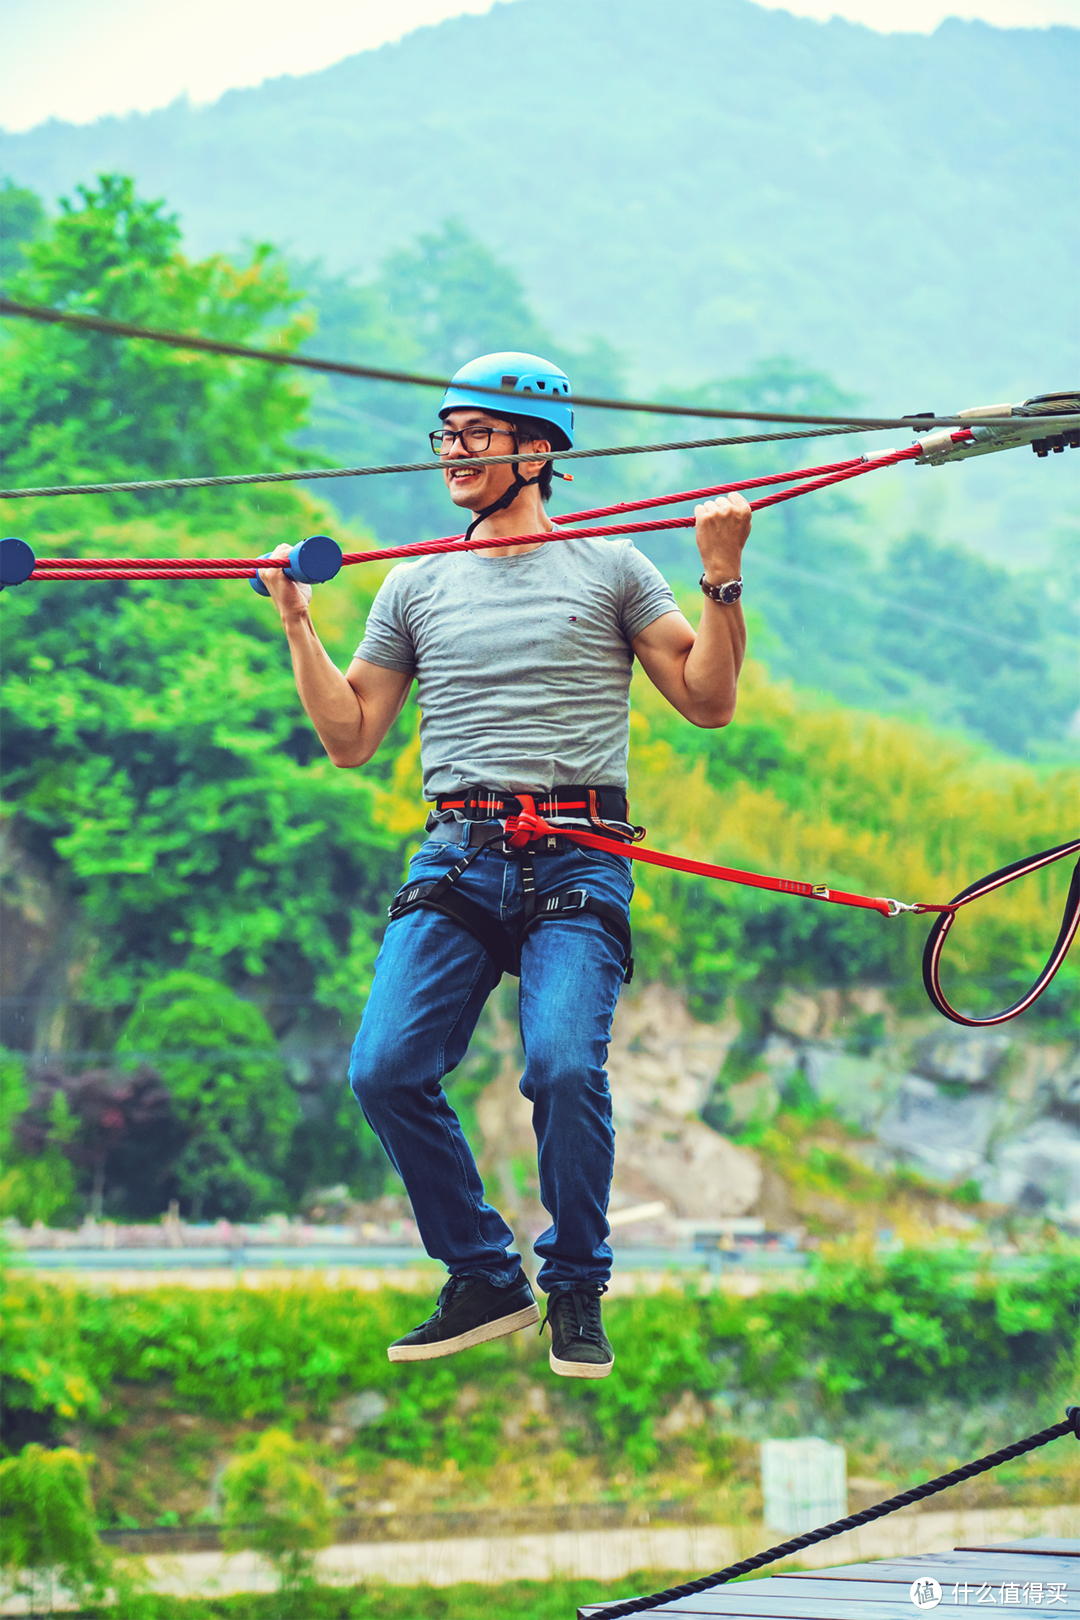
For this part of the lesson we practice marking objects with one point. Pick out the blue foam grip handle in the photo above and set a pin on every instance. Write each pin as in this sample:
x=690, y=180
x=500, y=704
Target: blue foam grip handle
x=17, y=561
x=312, y=562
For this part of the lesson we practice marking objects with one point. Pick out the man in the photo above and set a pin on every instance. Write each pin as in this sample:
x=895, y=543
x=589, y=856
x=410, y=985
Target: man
x=523, y=658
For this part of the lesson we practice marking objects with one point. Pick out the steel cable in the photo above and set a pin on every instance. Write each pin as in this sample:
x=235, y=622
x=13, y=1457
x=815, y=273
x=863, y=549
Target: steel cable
x=299, y=475
x=185, y=340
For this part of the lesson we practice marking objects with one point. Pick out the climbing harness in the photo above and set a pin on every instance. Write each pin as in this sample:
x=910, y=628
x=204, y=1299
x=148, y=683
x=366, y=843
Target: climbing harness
x=502, y=942
x=786, y=1549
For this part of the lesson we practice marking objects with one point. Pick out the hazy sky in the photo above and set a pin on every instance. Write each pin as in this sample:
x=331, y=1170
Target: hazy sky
x=80, y=59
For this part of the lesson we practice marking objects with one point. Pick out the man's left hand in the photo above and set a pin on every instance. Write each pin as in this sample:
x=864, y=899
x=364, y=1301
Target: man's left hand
x=721, y=528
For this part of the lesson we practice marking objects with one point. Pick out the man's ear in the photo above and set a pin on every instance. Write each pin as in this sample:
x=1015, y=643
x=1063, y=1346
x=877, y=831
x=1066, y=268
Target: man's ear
x=541, y=447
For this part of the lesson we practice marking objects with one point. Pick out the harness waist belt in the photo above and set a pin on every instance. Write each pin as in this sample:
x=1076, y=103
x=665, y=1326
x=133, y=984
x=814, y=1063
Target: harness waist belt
x=495, y=804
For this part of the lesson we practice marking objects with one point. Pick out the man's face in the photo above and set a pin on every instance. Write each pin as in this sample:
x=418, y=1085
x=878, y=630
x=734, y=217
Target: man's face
x=477, y=487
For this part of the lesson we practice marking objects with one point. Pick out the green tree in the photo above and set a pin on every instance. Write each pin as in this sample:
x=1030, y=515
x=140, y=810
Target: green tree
x=118, y=1132
x=161, y=770
x=277, y=1505
x=22, y=221
x=33, y=1186
x=82, y=407
x=218, y=1059
x=50, y=1535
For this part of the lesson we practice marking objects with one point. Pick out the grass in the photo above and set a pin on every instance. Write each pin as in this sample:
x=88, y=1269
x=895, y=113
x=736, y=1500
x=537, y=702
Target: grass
x=510, y=1600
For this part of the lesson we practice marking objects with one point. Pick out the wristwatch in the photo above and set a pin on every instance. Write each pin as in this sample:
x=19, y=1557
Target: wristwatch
x=728, y=593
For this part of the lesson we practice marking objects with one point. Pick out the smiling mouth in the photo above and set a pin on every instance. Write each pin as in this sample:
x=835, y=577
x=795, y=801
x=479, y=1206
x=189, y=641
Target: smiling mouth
x=458, y=473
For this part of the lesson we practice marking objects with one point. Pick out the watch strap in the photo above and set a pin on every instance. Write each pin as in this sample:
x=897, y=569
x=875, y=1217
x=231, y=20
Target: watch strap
x=727, y=594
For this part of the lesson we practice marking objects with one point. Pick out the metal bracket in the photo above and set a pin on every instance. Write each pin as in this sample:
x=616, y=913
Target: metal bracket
x=1048, y=422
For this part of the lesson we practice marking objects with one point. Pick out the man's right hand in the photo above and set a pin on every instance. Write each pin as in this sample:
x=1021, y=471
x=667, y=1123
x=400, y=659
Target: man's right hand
x=290, y=598
x=352, y=713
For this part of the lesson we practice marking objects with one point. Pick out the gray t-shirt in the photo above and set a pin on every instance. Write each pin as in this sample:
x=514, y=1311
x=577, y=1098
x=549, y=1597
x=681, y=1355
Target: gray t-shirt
x=522, y=663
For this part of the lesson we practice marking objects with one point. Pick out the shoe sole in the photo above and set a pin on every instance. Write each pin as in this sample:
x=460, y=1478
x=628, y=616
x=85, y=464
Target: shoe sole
x=579, y=1369
x=465, y=1341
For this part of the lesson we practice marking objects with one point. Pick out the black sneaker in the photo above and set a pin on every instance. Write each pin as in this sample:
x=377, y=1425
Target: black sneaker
x=470, y=1311
x=579, y=1345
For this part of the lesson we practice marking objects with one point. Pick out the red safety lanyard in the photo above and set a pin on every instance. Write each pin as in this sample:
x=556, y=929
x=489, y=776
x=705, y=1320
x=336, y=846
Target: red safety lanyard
x=523, y=829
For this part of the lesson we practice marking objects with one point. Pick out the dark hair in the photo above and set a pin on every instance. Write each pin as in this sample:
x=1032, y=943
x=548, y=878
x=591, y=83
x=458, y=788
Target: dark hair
x=529, y=428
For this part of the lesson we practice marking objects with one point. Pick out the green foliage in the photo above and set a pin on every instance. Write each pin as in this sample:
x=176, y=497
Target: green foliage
x=869, y=804
x=896, y=1331
x=33, y=1186
x=22, y=222
x=554, y=1599
x=927, y=629
x=46, y=1378
x=50, y=1535
x=79, y=406
x=276, y=1504
x=14, y=1095
x=163, y=772
x=39, y=1188
x=1009, y=673
x=217, y=1057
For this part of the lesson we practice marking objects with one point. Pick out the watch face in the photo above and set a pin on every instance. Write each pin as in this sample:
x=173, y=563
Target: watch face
x=731, y=592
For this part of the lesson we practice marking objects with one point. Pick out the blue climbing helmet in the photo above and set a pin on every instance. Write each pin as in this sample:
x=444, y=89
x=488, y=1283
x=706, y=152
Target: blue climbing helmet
x=545, y=392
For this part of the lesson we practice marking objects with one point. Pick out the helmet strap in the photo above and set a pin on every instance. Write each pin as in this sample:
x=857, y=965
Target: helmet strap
x=508, y=497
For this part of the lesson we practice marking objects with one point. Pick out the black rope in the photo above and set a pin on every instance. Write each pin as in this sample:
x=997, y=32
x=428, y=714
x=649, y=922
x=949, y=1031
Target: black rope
x=1070, y=1425
x=300, y=474
x=282, y=357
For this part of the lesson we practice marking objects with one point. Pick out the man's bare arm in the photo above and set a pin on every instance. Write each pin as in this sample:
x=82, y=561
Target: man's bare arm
x=351, y=713
x=698, y=672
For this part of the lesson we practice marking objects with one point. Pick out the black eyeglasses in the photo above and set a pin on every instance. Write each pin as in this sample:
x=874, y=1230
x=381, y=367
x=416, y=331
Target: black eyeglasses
x=475, y=439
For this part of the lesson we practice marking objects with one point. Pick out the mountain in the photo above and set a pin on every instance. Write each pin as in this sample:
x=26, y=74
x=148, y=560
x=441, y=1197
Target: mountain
x=701, y=184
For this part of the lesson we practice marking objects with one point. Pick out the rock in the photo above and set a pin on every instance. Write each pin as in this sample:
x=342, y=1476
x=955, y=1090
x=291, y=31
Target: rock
x=661, y=1059
x=687, y=1413
x=967, y=1057
x=860, y=1089
x=796, y=1014
x=357, y=1411
x=1039, y=1173
x=662, y=1065
x=46, y=946
x=753, y=1101
x=780, y=1057
x=945, y=1137
x=699, y=1173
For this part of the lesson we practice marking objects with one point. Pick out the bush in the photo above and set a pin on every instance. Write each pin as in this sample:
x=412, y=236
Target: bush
x=276, y=1505
x=50, y=1536
x=903, y=1330
x=219, y=1062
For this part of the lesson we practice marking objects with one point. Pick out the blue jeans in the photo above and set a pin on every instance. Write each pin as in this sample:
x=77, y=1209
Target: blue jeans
x=432, y=979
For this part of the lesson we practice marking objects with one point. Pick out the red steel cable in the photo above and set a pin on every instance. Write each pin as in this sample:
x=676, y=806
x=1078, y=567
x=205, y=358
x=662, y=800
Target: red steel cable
x=707, y=494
